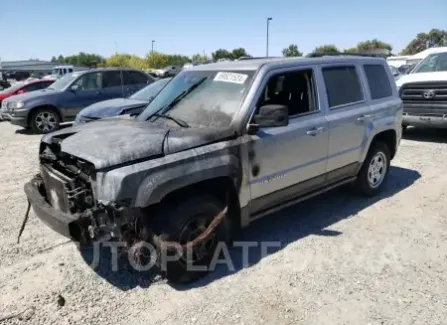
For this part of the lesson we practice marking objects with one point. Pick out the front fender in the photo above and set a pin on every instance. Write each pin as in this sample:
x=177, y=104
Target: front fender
x=157, y=185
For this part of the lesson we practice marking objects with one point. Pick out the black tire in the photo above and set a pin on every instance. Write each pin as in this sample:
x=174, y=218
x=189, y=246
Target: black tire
x=51, y=124
x=170, y=224
x=364, y=185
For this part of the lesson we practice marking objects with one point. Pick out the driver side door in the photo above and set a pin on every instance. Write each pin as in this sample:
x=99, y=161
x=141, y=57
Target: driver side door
x=86, y=90
x=285, y=162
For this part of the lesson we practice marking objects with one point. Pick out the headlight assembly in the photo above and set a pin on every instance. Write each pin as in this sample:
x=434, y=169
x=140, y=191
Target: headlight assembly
x=18, y=105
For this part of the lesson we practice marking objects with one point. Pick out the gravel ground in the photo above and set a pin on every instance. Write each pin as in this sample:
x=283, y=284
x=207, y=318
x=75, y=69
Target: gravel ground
x=343, y=259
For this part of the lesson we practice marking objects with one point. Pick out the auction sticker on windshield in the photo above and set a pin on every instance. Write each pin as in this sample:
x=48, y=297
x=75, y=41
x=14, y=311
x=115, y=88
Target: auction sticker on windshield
x=236, y=78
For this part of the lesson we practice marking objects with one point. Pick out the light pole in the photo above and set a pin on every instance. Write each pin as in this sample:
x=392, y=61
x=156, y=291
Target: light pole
x=268, y=21
x=153, y=46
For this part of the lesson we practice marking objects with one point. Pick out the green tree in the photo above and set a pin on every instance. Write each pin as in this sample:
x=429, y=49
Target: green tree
x=423, y=41
x=374, y=44
x=329, y=48
x=80, y=59
x=177, y=59
x=221, y=54
x=351, y=50
x=137, y=62
x=118, y=60
x=237, y=53
x=199, y=58
x=157, y=60
x=292, y=50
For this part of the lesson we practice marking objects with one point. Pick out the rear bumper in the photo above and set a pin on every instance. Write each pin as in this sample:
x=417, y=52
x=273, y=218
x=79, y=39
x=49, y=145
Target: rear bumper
x=53, y=218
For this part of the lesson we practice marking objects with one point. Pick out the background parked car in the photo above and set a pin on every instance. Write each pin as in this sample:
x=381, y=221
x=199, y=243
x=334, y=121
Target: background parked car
x=394, y=71
x=20, y=88
x=169, y=71
x=406, y=68
x=44, y=110
x=122, y=106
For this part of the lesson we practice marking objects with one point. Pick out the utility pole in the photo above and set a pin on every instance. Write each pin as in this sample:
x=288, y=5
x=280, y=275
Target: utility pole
x=267, y=49
x=152, y=46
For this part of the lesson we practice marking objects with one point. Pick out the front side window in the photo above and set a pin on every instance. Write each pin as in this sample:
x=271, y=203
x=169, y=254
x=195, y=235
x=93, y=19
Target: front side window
x=88, y=81
x=432, y=63
x=342, y=85
x=296, y=90
x=378, y=81
x=202, y=98
x=63, y=82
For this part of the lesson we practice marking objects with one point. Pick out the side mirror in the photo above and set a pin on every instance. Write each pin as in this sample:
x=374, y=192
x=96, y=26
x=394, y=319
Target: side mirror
x=74, y=88
x=270, y=116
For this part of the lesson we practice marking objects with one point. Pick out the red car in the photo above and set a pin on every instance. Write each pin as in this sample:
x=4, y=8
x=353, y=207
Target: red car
x=21, y=88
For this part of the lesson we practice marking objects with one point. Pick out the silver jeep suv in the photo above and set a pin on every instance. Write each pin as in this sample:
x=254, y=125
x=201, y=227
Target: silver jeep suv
x=220, y=146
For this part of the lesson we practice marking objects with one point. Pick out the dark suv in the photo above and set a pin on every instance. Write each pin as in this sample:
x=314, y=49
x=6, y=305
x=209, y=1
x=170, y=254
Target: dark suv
x=44, y=110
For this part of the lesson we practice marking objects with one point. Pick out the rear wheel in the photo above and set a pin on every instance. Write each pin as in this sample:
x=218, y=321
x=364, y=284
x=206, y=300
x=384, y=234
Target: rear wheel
x=182, y=223
x=374, y=171
x=44, y=120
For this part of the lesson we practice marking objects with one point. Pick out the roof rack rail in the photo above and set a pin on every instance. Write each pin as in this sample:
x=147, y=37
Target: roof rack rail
x=365, y=54
x=257, y=57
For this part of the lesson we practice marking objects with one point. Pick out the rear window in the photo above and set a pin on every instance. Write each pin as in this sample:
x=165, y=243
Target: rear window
x=342, y=85
x=378, y=81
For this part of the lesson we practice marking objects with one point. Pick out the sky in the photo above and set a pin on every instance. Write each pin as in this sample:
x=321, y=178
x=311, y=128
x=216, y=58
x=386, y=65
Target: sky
x=45, y=28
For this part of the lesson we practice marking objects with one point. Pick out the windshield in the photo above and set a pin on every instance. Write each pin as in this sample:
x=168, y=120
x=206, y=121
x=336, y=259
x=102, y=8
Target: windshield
x=12, y=88
x=213, y=103
x=64, y=81
x=56, y=72
x=151, y=90
x=432, y=63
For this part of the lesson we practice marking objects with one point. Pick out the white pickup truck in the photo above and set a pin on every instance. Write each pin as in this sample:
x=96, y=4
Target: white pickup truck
x=424, y=92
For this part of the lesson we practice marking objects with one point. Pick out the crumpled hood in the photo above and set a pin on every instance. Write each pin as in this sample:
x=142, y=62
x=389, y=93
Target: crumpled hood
x=111, y=107
x=421, y=77
x=110, y=142
x=35, y=94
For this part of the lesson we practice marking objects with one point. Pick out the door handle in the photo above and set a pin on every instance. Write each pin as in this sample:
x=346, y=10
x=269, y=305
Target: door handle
x=315, y=131
x=363, y=118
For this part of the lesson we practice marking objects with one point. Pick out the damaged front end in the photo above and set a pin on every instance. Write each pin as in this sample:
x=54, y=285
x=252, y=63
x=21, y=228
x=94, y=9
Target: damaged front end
x=63, y=197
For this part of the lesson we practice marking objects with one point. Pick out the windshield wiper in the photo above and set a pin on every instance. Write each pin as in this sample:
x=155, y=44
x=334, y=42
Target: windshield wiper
x=180, y=96
x=180, y=122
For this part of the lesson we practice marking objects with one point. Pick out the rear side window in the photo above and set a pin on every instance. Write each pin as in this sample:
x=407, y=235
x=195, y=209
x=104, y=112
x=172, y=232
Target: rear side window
x=342, y=85
x=378, y=81
x=134, y=78
x=111, y=79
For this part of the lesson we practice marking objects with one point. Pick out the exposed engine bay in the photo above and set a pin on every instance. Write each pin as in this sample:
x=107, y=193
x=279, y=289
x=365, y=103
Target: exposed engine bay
x=68, y=185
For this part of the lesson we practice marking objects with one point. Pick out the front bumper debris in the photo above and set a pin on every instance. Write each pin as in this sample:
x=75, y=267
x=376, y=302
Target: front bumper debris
x=53, y=218
x=99, y=224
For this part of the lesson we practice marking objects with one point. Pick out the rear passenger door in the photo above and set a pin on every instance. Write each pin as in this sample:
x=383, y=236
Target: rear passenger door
x=380, y=91
x=134, y=81
x=348, y=118
x=111, y=85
